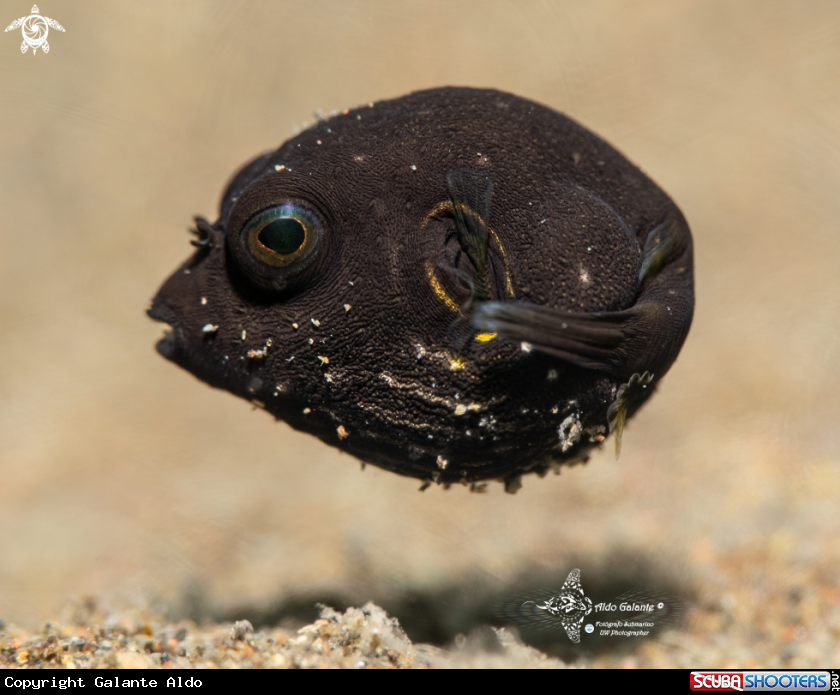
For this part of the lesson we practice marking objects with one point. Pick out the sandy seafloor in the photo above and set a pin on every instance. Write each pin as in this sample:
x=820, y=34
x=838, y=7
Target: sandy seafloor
x=129, y=486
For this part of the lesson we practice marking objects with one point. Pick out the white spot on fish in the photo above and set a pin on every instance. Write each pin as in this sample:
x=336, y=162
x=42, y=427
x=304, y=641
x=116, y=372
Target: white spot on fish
x=244, y=334
x=316, y=323
x=347, y=307
x=584, y=276
x=342, y=432
x=306, y=411
x=526, y=347
x=442, y=462
x=295, y=326
x=552, y=375
x=413, y=167
x=569, y=432
x=209, y=328
x=324, y=360
x=204, y=301
x=279, y=167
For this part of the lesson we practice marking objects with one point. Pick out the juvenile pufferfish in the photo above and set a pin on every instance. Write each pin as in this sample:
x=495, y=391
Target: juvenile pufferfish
x=456, y=285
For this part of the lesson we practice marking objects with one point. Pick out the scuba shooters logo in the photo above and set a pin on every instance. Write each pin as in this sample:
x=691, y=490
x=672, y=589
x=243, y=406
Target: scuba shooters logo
x=784, y=681
x=636, y=612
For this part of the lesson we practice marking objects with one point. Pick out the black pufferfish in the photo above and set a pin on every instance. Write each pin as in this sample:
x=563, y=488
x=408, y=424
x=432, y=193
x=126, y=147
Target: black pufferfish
x=456, y=285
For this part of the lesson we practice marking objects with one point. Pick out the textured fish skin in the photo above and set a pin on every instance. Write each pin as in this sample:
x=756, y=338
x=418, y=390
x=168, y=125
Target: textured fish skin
x=376, y=347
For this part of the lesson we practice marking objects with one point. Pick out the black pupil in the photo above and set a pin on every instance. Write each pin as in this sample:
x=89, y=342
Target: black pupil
x=283, y=236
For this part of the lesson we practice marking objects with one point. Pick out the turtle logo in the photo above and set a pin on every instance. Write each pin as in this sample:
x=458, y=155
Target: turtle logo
x=35, y=30
x=570, y=605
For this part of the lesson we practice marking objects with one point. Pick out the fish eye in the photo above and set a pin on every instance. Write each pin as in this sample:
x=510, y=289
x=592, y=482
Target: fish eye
x=278, y=242
x=282, y=234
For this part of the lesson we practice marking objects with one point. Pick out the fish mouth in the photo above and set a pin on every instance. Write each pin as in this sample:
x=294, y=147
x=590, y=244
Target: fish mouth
x=168, y=346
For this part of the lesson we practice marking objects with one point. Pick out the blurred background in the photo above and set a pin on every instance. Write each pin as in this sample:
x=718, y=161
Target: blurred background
x=124, y=479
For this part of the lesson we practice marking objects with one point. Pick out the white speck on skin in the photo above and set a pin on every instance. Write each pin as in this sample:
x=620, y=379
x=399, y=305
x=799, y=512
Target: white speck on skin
x=597, y=433
x=295, y=326
x=569, y=432
x=244, y=334
x=187, y=271
x=324, y=360
x=342, y=432
x=413, y=167
x=328, y=378
x=350, y=282
x=420, y=352
x=279, y=167
x=526, y=347
x=306, y=411
x=315, y=322
x=318, y=141
x=584, y=276
x=347, y=307
x=203, y=301
x=289, y=359
x=460, y=409
x=311, y=342
x=589, y=248
x=554, y=410
x=209, y=328
x=442, y=462
x=552, y=375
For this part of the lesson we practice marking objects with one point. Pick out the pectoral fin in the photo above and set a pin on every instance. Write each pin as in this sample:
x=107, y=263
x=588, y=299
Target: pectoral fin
x=643, y=338
x=591, y=341
x=470, y=193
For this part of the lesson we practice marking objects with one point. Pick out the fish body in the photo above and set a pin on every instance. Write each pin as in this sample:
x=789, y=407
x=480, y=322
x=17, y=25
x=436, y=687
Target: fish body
x=456, y=285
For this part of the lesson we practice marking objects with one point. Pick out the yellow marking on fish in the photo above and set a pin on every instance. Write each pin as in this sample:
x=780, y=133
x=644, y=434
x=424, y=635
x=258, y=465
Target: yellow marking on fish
x=437, y=288
x=485, y=337
x=508, y=282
